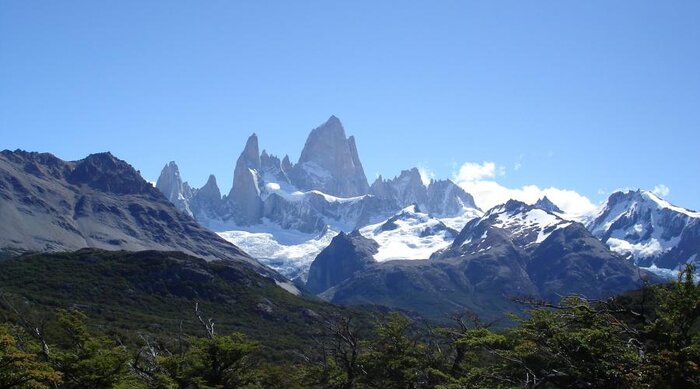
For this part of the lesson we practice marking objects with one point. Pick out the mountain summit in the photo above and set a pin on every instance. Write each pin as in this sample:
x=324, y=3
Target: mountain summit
x=329, y=163
x=648, y=229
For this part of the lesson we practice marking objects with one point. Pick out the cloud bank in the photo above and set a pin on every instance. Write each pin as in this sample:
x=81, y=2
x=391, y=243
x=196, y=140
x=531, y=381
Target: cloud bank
x=479, y=179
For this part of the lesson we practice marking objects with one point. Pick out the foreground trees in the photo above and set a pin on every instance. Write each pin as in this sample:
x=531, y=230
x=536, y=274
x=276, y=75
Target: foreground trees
x=647, y=339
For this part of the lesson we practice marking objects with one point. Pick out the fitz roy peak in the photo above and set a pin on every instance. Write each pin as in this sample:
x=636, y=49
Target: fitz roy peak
x=286, y=213
x=329, y=163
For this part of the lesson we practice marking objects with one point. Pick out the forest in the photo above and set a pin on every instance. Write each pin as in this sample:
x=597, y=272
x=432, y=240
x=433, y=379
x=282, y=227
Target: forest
x=649, y=338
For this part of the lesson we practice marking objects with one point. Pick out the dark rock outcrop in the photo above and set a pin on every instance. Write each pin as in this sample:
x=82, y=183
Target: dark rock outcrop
x=50, y=205
x=346, y=254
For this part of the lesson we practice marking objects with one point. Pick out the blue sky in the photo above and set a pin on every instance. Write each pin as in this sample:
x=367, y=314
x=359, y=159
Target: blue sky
x=588, y=96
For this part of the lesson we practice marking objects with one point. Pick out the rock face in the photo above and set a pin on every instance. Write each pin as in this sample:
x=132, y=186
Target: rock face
x=50, y=205
x=324, y=193
x=404, y=190
x=547, y=205
x=273, y=170
x=513, y=250
x=442, y=198
x=648, y=230
x=346, y=254
x=244, y=197
x=329, y=163
x=206, y=202
x=446, y=199
x=171, y=185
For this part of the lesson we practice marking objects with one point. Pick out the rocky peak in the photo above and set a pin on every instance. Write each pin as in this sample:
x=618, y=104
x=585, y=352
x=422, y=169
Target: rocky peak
x=512, y=207
x=210, y=191
x=286, y=164
x=38, y=164
x=272, y=168
x=170, y=184
x=206, y=202
x=330, y=163
x=404, y=190
x=547, y=205
x=346, y=254
x=245, y=192
x=445, y=198
x=106, y=173
x=251, y=154
x=649, y=230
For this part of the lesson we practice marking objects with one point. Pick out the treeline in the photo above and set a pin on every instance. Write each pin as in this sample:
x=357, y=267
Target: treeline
x=648, y=339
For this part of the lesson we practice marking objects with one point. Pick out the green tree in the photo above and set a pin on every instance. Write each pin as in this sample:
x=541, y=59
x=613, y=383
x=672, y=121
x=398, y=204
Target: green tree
x=89, y=361
x=214, y=362
x=20, y=364
x=398, y=358
x=674, y=336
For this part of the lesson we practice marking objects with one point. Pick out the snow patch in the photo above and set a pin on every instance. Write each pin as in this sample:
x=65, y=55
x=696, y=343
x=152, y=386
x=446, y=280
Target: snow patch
x=416, y=236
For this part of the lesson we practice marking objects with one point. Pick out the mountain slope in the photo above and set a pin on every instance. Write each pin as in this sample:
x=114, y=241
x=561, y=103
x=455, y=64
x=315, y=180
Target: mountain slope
x=513, y=250
x=410, y=234
x=51, y=205
x=154, y=292
x=647, y=229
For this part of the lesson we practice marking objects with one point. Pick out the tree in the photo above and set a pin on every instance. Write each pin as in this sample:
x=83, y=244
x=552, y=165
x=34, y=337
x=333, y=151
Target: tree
x=89, y=361
x=673, y=338
x=20, y=365
x=398, y=358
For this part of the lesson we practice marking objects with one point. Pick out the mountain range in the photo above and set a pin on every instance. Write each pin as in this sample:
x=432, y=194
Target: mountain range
x=317, y=226
x=294, y=210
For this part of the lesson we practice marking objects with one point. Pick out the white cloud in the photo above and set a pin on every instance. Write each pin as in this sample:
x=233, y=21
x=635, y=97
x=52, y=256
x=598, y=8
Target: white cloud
x=425, y=175
x=661, y=190
x=479, y=181
x=472, y=171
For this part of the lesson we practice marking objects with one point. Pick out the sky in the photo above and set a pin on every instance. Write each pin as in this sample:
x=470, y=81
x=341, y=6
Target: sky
x=508, y=98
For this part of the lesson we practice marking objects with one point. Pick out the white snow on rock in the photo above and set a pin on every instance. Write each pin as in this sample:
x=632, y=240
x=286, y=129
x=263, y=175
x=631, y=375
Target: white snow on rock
x=645, y=228
x=290, y=252
x=523, y=221
x=410, y=234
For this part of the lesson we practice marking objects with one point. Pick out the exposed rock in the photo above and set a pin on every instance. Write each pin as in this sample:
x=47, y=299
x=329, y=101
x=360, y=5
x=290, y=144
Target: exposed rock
x=446, y=199
x=329, y=163
x=442, y=198
x=171, y=185
x=404, y=190
x=244, y=197
x=206, y=202
x=346, y=254
x=513, y=250
x=99, y=202
x=547, y=205
x=648, y=230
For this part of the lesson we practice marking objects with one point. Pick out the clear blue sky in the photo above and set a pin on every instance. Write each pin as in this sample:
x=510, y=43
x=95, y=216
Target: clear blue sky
x=585, y=95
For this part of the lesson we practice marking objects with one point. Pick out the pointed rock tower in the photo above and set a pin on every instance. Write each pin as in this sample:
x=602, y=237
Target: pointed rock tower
x=244, y=196
x=329, y=163
x=171, y=185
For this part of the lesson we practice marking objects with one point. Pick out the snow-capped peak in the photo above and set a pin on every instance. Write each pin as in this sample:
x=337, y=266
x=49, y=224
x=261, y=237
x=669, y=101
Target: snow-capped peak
x=409, y=234
x=528, y=225
x=648, y=229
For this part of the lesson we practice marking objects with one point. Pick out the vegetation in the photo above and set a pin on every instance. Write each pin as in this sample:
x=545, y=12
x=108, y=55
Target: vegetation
x=647, y=339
